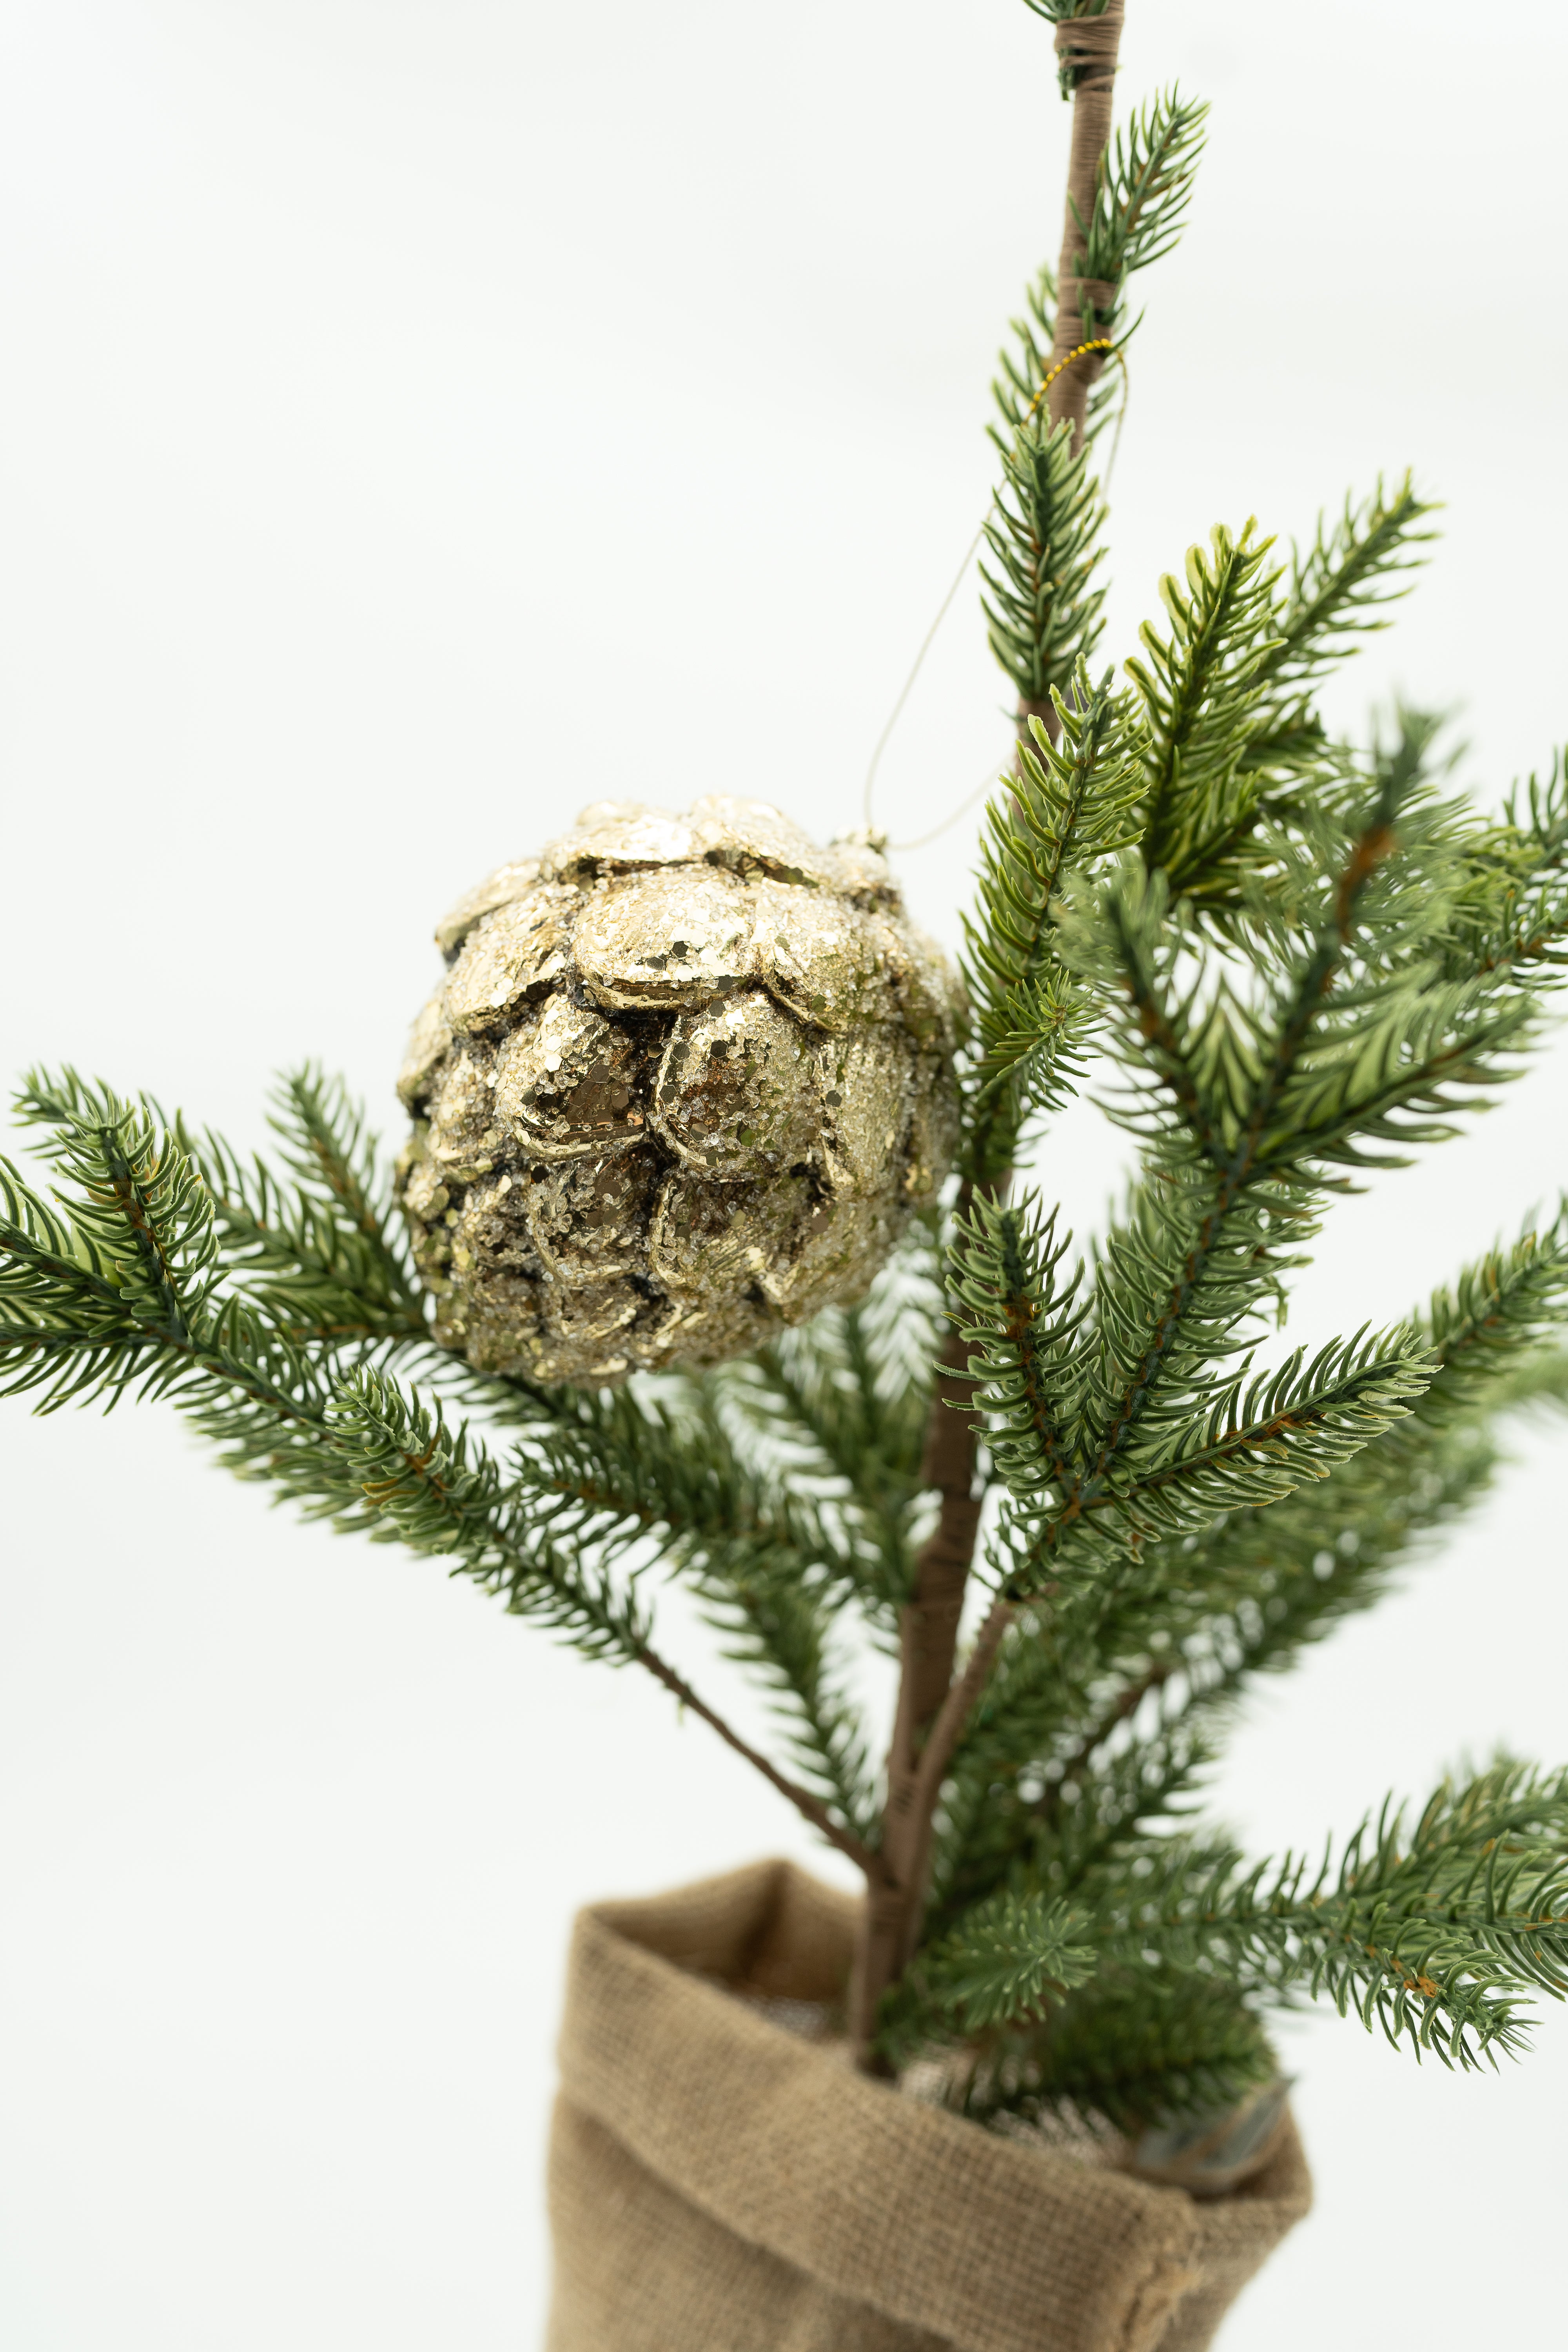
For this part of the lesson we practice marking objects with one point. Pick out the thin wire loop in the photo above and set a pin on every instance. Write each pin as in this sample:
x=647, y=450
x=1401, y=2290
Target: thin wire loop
x=1080, y=351
x=962, y=574
x=992, y=775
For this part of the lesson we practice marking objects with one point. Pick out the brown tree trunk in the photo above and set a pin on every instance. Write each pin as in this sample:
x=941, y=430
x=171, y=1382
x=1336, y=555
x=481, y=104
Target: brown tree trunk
x=928, y=1645
x=1089, y=45
x=929, y=1699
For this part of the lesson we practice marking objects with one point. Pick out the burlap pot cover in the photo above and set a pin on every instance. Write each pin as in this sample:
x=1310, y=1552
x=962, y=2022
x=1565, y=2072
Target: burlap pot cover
x=720, y=2184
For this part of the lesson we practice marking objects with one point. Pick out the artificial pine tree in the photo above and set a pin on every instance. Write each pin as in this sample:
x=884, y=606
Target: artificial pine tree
x=1076, y=1494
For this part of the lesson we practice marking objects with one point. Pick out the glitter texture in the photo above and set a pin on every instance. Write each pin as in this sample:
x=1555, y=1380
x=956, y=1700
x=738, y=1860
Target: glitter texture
x=685, y=1080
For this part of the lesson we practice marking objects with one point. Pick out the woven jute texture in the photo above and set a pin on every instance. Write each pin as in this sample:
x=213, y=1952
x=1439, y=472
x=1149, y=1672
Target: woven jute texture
x=720, y=2184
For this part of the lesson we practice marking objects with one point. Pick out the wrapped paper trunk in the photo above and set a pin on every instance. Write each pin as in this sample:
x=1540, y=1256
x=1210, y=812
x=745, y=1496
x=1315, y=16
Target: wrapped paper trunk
x=720, y=2183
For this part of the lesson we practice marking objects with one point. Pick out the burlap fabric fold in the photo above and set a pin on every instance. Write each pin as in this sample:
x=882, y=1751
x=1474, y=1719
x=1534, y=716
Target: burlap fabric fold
x=720, y=2184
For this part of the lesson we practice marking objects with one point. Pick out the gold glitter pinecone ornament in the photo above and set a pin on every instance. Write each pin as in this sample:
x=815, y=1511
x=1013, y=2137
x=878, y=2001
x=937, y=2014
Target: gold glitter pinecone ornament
x=684, y=1082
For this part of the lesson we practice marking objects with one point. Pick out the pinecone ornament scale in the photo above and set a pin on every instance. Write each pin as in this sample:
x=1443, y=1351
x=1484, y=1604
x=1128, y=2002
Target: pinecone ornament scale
x=686, y=1079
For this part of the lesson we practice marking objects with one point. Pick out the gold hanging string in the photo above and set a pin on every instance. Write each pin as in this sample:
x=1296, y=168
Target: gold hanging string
x=1080, y=350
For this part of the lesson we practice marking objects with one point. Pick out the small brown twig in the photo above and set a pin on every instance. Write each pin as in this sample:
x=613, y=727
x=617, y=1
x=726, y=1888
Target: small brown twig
x=928, y=1642
x=805, y=1804
x=937, y=1755
x=957, y=1707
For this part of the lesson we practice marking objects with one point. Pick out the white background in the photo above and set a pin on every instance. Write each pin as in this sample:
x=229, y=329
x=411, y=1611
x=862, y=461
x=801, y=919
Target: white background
x=420, y=417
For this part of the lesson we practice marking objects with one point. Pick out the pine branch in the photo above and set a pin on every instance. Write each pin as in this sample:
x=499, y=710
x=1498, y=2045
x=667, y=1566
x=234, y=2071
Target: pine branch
x=119, y=1287
x=1008, y=1958
x=1540, y=1380
x=442, y=1494
x=1068, y=811
x=1283, y=759
x=1489, y=1325
x=1203, y=1615
x=1042, y=533
x=1289, y=1584
x=1259, y=1440
x=1141, y=202
x=1137, y=2048
x=317, y=1250
x=626, y=1464
x=1023, y=364
x=1340, y=587
x=1436, y=1932
x=1018, y=1327
x=842, y=1405
x=1038, y=1051
x=1257, y=1587
x=923, y=1727
x=1202, y=689
x=1245, y=1107
x=932, y=1698
x=325, y=1251
x=823, y=1427
x=1511, y=910
x=1183, y=1440
x=1436, y=1936
x=1055, y=1796
x=65, y=1331
x=144, y=1213
x=768, y=1562
x=126, y=1287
